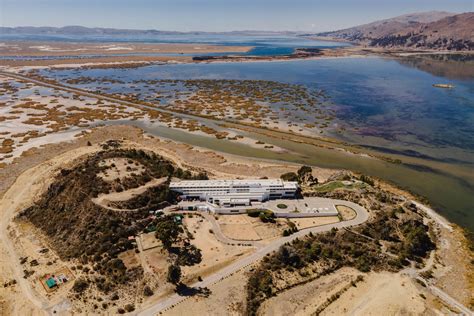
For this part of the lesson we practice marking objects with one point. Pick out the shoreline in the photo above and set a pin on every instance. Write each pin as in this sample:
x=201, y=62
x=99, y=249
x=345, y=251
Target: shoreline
x=108, y=58
x=83, y=137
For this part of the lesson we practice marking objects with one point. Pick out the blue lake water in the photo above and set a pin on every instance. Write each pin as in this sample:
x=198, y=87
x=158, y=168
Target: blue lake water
x=380, y=102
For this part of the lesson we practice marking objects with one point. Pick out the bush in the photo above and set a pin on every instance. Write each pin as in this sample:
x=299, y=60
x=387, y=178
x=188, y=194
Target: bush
x=290, y=176
x=80, y=285
x=264, y=215
x=267, y=216
x=129, y=308
x=174, y=274
x=189, y=255
x=367, y=180
x=282, y=206
x=253, y=212
x=147, y=291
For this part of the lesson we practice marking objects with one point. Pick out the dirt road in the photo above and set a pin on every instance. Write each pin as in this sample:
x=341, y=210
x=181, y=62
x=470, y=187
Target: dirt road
x=28, y=186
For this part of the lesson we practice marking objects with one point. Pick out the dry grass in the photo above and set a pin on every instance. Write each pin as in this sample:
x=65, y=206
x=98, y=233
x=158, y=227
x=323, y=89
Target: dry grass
x=346, y=212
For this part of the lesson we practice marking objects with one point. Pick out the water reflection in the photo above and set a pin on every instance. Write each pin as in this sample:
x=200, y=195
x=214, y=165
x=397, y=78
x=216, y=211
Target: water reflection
x=450, y=66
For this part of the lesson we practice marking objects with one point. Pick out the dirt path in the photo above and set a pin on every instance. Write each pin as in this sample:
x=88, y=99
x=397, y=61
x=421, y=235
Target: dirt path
x=445, y=297
x=102, y=199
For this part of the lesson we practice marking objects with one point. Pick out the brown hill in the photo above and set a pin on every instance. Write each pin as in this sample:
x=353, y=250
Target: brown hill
x=377, y=29
x=429, y=30
x=451, y=33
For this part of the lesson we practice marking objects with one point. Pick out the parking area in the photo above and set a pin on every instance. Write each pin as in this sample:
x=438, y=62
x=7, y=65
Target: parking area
x=308, y=206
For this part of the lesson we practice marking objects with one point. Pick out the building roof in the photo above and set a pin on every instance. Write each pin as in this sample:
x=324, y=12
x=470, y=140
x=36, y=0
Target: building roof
x=233, y=183
x=51, y=282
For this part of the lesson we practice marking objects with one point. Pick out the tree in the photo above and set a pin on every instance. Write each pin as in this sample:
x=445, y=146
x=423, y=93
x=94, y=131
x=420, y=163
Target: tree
x=174, y=274
x=367, y=180
x=189, y=255
x=129, y=308
x=147, y=291
x=289, y=176
x=168, y=231
x=305, y=175
x=289, y=256
x=417, y=242
x=80, y=285
x=303, y=171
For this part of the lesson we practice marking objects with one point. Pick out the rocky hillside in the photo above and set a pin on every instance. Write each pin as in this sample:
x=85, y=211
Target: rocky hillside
x=386, y=27
x=429, y=30
x=451, y=33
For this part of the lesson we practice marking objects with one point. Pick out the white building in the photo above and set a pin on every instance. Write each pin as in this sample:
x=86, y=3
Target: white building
x=231, y=193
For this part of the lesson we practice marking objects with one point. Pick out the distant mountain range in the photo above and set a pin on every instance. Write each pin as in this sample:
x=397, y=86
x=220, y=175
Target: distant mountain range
x=426, y=30
x=432, y=30
x=100, y=31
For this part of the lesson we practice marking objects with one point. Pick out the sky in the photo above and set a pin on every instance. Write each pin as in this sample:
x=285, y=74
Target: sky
x=216, y=15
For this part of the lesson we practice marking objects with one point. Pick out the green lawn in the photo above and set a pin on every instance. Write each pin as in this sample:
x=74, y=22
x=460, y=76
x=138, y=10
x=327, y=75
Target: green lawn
x=328, y=187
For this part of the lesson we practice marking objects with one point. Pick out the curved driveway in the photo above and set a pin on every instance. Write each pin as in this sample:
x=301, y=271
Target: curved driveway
x=361, y=217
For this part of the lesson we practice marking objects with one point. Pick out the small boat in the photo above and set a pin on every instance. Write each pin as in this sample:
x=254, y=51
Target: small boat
x=443, y=85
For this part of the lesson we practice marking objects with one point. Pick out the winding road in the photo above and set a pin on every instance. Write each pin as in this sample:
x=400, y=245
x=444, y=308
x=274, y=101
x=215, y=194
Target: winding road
x=361, y=217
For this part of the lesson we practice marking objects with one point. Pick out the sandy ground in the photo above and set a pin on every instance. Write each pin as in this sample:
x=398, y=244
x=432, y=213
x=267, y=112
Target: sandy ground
x=36, y=179
x=48, y=116
x=119, y=168
x=105, y=52
x=346, y=212
x=391, y=293
x=25, y=189
x=227, y=298
x=149, y=241
x=215, y=255
x=304, y=299
x=105, y=199
x=302, y=223
x=77, y=48
x=98, y=62
x=243, y=227
x=451, y=266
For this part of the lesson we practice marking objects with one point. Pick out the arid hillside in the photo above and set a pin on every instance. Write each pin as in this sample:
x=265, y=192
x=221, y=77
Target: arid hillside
x=451, y=33
x=430, y=30
x=386, y=27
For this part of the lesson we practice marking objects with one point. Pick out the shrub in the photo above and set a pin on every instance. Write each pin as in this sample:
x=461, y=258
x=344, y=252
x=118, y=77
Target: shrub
x=289, y=176
x=253, y=212
x=147, y=291
x=174, y=274
x=367, y=180
x=129, y=308
x=80, y=285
